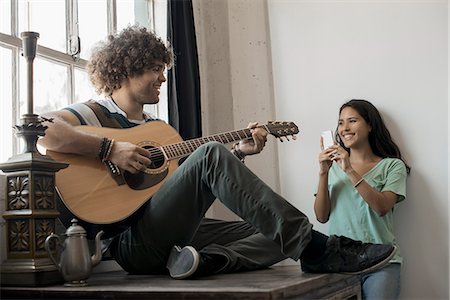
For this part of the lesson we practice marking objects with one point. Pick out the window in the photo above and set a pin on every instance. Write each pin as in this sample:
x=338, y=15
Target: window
x=6, y=111
x=68, y=29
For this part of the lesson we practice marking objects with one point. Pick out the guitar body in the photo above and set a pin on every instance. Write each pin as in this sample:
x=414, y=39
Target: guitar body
x=90, y=192
x=99, y=193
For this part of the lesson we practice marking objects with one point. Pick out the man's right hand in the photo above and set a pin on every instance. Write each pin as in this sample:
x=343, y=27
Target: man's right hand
x=129, y=157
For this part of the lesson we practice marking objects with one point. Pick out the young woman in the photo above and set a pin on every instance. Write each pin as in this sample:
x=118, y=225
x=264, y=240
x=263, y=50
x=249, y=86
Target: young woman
x=362, y=177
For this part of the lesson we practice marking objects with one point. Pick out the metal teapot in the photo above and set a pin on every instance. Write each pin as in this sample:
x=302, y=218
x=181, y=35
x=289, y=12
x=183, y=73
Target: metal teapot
x=75, y=262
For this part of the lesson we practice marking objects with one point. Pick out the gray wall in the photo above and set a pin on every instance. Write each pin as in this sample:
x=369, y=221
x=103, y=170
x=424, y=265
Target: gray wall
x=236, y=77
x=311, y=56
x=396, y=55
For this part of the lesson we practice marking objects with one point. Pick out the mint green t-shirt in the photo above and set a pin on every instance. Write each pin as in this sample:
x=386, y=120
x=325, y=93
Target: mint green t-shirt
x=352, y=217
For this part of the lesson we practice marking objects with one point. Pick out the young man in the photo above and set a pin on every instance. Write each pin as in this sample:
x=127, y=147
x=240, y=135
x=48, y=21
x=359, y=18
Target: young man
x=170, y=231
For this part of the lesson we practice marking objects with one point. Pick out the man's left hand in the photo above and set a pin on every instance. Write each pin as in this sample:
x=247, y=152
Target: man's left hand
x=257, y=143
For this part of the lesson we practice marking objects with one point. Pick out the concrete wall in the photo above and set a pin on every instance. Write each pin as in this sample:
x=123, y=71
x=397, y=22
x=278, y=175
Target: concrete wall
x=236, y=76
x=322, y=53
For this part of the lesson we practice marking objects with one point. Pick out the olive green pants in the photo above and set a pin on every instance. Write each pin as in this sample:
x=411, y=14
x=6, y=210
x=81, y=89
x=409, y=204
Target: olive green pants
x=272, y=229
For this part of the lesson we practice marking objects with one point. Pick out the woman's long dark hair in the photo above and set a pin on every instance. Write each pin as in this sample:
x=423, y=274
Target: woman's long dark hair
x=380, y=139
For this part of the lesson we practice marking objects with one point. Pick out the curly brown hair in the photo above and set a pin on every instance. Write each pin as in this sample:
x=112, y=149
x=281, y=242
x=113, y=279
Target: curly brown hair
x=129, y=53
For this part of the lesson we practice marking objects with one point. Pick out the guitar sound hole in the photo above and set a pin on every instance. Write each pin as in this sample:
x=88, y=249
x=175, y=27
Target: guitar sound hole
x=156, y=156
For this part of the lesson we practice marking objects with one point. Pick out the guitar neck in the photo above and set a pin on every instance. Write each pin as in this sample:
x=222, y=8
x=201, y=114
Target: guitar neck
x=179, y=150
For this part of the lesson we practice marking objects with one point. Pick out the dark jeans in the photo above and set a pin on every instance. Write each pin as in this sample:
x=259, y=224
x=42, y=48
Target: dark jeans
x=273, y=228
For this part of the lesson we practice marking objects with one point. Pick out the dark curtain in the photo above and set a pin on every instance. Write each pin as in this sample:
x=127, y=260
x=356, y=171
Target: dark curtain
x=183, y=79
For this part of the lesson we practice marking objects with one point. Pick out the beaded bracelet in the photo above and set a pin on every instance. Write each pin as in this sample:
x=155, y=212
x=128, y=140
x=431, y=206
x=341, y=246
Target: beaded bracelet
x=108, y=152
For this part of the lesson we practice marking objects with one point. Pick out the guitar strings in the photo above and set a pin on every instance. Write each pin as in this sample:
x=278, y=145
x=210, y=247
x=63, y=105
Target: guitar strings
x=157, y=156
x=179, y=148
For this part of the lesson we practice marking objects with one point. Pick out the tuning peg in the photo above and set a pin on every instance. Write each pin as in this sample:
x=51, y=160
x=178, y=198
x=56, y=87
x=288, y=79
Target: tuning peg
x=281, y=139
x=294, y=137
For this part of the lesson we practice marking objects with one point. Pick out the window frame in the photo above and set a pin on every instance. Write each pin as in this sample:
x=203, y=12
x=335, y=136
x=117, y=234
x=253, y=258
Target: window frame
x=71, y=58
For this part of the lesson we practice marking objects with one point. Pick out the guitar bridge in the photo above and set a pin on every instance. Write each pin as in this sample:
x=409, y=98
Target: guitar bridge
x=115, y=172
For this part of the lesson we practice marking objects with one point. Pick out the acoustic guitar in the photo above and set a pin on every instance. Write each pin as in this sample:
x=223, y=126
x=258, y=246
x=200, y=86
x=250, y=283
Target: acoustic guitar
x=101, y=193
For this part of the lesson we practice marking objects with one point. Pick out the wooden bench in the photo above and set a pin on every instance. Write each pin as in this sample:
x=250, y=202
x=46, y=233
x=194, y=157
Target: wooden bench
x=279, y=282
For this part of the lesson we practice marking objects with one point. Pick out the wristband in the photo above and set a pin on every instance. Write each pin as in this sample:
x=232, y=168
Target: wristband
x=238, y=153
x=358, y=182
x=103, y=148
x=108, y=152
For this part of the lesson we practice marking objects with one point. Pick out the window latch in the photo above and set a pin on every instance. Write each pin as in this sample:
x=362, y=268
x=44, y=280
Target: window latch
x=74, y=45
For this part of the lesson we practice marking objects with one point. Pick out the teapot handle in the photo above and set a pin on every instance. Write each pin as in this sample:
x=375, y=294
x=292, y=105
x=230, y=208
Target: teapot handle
x=49, y=251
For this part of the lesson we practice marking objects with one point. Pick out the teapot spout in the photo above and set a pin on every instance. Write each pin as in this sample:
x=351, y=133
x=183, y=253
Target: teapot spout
x=97, y=257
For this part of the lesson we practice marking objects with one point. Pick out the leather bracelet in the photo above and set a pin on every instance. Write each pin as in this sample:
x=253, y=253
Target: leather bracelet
x=238, y=153
x=103, y=148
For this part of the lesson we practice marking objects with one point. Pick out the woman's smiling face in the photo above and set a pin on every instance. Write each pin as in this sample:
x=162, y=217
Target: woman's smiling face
x=352, y=128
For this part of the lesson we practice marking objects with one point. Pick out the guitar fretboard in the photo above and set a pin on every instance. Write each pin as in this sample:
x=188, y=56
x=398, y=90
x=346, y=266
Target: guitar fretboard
x=185, y=148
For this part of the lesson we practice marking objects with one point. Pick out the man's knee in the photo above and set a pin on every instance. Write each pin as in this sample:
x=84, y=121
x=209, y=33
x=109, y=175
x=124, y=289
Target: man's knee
x=213, y=147
x=214, y=151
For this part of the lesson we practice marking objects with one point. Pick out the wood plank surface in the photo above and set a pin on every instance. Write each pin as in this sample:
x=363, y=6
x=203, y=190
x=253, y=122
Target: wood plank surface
x=280, y=282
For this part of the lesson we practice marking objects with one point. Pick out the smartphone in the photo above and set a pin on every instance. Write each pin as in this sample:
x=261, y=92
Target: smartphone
x=327, y=137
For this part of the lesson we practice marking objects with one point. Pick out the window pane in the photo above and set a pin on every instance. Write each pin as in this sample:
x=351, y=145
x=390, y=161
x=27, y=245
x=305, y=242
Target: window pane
x=6, y=131
x=5, y=16
x=48, y=18
x=83, y=88
x=50, y=86
x=160, y=23
x=93, y=27
x=125, y=13
x=160, y=15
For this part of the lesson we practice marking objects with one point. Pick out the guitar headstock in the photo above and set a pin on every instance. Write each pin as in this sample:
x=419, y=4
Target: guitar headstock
x=281, y=129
